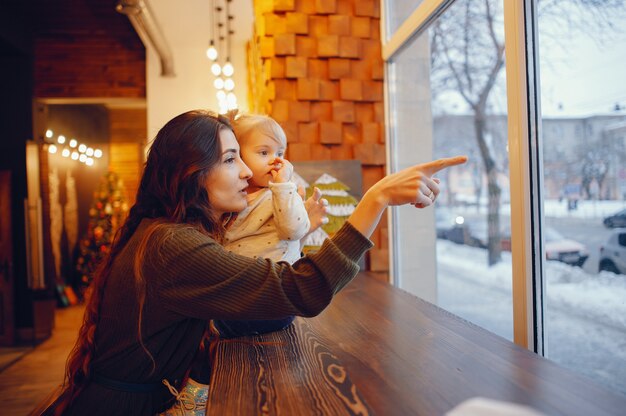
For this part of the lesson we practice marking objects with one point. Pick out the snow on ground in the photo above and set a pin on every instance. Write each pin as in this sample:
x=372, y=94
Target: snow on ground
x=553, y=208
x=585, y=313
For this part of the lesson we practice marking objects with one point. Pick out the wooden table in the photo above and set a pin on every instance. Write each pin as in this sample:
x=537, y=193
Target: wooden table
x=379, y=350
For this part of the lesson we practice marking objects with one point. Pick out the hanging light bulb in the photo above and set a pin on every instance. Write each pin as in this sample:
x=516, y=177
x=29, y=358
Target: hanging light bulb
x=82, y=148
x=73, y=143
x=89, y=152
x=65, y=153
x=216, y=69
x=218, y=83
x=82, y=157
x=228, y=69
x=49, y=133
x=211, y=52
x=74, y=156
x=52, y=149
x=89, y=161
x=97, y=153
x=61, y=139
x=229, y=84
x=231, y=99
x=221, y=96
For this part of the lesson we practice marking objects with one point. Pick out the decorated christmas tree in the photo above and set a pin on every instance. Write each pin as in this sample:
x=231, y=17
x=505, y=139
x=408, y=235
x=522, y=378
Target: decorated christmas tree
x=106, y=214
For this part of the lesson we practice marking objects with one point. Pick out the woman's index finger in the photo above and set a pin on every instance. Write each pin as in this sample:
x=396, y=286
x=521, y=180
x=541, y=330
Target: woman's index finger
x=435, y=166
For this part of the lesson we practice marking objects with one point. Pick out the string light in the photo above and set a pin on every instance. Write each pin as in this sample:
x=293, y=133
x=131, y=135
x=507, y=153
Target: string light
x=72, y=149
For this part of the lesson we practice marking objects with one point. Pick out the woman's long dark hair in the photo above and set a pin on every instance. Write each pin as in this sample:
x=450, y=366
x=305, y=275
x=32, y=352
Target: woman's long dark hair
x=172, y=191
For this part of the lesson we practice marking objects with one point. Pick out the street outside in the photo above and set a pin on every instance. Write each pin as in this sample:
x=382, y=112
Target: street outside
x=585, y=322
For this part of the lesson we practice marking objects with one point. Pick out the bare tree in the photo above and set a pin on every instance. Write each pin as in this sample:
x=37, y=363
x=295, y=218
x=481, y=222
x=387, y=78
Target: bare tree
x=467, y=57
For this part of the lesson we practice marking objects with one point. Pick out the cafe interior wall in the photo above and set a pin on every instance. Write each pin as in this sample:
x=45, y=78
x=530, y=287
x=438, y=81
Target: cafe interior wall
x=186, y=27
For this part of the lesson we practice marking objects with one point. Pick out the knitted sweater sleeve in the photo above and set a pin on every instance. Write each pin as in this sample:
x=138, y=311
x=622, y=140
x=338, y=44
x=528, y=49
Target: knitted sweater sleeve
x=196, y=277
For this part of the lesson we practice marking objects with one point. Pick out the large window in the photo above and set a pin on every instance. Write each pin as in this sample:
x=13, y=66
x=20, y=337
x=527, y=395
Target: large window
x=438, y=82
x=550, y=154
x=582, y=54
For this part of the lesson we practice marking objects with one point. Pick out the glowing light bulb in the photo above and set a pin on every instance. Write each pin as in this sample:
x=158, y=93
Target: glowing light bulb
x=49, y=133
x=221, y=95
x=216, y=69
x=52, y=149
x=74, y=156
x=89, y=161
x=82, y=158
x=61, y=139
x=97, y=153
x=82, y=148
x=218, y=83
x=211, y=53
x=89, y=152
x=229, y=84
x=228, y=69
x=73, y=143
x=231, y=98
x=65, y=153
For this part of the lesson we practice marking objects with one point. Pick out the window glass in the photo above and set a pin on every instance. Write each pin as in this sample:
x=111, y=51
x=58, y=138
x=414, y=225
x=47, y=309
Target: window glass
x=397, y=12
x=448, y=97
x=582, y=54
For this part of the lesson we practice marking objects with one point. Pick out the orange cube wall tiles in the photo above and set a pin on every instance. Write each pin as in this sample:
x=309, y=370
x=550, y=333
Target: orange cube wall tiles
x=317, y=68
x=350, y=89
x=343, y=111
x=349, y=47
x=308, y=132
x=305, y=6
x=339, y=25
x=284, y=5
x=275, y=24
x=361, y=27
x=338, y=68
x=325, y=6
x=308, y=89
x=297, y=23
x=330, y=132
x=296, y=67
x=328, y=45
x=369, y=8
x=285, y=44
x=306, y=46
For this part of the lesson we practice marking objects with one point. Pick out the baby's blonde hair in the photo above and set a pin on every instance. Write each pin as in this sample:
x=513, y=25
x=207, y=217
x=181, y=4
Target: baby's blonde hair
x=246, y=123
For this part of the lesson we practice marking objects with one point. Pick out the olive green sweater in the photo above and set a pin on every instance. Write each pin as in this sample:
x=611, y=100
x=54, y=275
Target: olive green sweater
x=192, y=279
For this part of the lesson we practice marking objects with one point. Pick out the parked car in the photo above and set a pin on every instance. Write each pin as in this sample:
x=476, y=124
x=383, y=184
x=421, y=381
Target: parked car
x=563, y=249
x=613, y=252
x=616, y=220
x=473, y=232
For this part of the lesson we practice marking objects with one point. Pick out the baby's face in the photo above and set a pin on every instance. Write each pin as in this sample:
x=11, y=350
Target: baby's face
x=259, y=151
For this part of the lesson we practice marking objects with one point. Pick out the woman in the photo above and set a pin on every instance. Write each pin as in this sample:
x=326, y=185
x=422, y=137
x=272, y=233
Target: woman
x=167, y=274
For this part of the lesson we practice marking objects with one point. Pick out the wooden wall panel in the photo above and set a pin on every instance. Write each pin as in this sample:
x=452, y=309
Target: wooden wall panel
x=316, y=67
x=84, y=48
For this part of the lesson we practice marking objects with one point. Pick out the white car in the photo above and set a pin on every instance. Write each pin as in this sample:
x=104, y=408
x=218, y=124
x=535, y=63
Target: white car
x=613, y=252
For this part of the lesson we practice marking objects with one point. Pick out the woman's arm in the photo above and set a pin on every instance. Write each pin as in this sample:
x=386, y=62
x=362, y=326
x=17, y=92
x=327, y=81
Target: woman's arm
x=197, y=277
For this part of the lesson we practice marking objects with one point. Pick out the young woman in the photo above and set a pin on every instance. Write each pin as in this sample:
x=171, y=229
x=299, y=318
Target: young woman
x=167, y=274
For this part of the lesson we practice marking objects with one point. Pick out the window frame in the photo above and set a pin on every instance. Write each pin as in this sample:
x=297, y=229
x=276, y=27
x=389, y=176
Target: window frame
x=525, y=155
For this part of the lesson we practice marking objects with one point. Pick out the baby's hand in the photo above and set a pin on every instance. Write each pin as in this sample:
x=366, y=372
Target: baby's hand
x=282, y=170
x=317, y=208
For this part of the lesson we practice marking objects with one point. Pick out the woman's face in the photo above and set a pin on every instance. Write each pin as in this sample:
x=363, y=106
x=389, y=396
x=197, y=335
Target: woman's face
x=227, y=181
